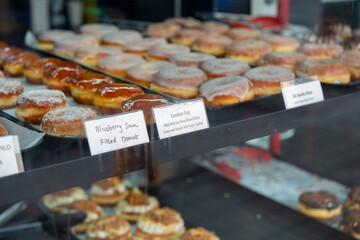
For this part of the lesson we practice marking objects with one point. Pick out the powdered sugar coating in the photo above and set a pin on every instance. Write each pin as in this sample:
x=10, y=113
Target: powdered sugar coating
x=315, y=49
x=214, y=27
x=92, y=52
x=68, y=114
x=249, y=48
x=166, y=50
x=162, y=30
x=224, y=67
x=121, y=37
x=98, y=29
x=242, y=34
x=288, y=58
x=54, y=34
x=276, y=40
x=69, y=45
x=44, y=98
x=269, y=74
x=187, y=22
x=213, y=40
x=147, y=71
x=190, y=59
x=121, y=61
x=143, y=44
x=326, y=67
x=189, y=34
x=10, y=87
x=351, y=59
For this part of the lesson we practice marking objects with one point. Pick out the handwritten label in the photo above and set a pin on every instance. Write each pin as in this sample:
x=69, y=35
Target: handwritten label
x=180, y=118
x=10, y=156
x=116, y=132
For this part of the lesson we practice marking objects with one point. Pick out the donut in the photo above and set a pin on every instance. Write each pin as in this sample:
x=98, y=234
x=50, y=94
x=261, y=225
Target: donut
x=162, y=30
x=353, y=199
x=3, y=44
x=33, y=69
x=350, y=223
x=190, y=59
x=224, y=67
x=10, y=89
x=321, y=51
x=98, y=29
x=187, y=22
x=66, y=47
x=91, y=55
x=242, y=34
x=119, y=38
x=226, y=91
x=144, y=73
x=31, y=106
x=118, y=64
x=3, y=130
x=181, y=82
x=14, y=64
x=66, y=121
x=281, y=43
x=140, y=47
x=2, y=75
x=109, y=228
x=84, y=86
x=47, y=38
x=289, y=60
x=351, y=60
x=266, y=80
x=108, y=98
x=212, y=44
x=57, y=76
x=187, y=37
x=249, y=51
x=163, y=52
x=212, y=27
x=319, y=205
x=198, y=233
x=143, y=102
x=108, y=192
x=7, y=51
x=327, y=70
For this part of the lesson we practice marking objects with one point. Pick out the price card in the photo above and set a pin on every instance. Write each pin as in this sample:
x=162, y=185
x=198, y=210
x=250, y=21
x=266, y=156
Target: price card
x=10, y=156
x=301, y=91
x=116, y=132
x=180, y=118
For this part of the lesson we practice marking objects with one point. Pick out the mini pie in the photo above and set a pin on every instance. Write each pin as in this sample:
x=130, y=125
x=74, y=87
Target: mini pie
x=109, y=228
x=108, y=192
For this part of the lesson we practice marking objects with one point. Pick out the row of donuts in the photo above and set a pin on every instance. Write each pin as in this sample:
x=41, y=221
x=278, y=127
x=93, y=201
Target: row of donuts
x=129, y=207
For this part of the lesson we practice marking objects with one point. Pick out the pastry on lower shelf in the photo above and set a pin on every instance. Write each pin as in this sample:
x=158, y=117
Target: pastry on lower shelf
x=353, y=199
x=47, y=38
x=14, y=64
x=59, y=201
x=10, y=89
x=319, y=205
x=136, y=204
x=350, y=223
x=33, y=70
x=109, y=191
x=161, y=224
x=109, y=228
x=3, y=130
x=197, y=234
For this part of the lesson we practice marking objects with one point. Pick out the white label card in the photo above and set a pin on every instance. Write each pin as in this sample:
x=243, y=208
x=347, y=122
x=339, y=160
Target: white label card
x=301, y=91
x=116, y=132
x=180, y=118
x=10, y=156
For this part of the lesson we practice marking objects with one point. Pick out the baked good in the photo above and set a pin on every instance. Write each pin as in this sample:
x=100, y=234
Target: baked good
x=144, y=73
x=162, y=52
x=84, y=86
x=33, y=70
x=2, y=75
x=187, y=37
x=91, y=55
x=190, y=59
x=3, y=44
x=119, y=38
x=181, y=82
x=266, y=80
x=10, y=89
x=162, y=30
x=7, y=51
x=144, y=102
x=68, y=121
x=281, y=43
x=3, y=130
x=351, y=59
x=108, y=98
x=226, y=91
x=197, y=234
x=353, y=199
x=249, y=51
x=161, y=224
x=242, y=34
x=212, y=27
x=118, y=64
x=14, y=64
x=140, y=47
x=327, y=70
x=350, y=223
x=211, y=44
x=47, y=38
x=108, y=192
x=59, y=201
x=289, y=60
x=344, y=30
x=31, y=106
x=136, y=204
x=187, y=22
x=67, y=46
x=224, y=67
x=319, y=205
x=109, y=228
x=98, y=29
x=321, y=51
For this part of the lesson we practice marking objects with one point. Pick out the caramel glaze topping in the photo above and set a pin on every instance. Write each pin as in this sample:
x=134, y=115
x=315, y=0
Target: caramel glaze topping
x=144, y=102
x=136, y=198
x=165, y=216
x=63, y=70
x=319, y=200
x=108, y=183
x=354, y=194
x=119, y=90
x=91, y=81
x=40, y=63
x=198, y=234
x=20, y=58
x=351, y=221
x=109, y=223
x=7, y=51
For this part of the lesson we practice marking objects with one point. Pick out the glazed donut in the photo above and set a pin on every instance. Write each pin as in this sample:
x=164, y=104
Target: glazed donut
x=140, y=47
x=31, y=106
x=187, y=22
x=47, y=38
x=213, y=27
x=7, y=51
x=118, y=64
x=3, y=44
x=266, y=80
x=144, y=73
x=143, y=102
x=242, y=34
x=109, y=228
x=181, y=82
x=119, y=38
x=281, y=43
x=98, y=29
x=14, y=64
x=250, y=51
x=226, y=91
x=187, y=37
x=3, y=130
x=224, y=67
x=350, y=223
x=327, y=70
x=321, y=51
x=198, y=233
x=162, y=30
x=351, y=60
x=84, y=86
x=66, y=121
x=91, y=55
x=163, y=52
x=10, y=89
x=108, y=98
x=353, y=199
x=289, y=60
x=33, y=69
x=212, y=44
x=190, y=59
x=67, y=46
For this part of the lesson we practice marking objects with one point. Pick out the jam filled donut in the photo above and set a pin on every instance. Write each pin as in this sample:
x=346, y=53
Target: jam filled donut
x=47, y=38
x=242, y=34
x=118, y=64
x=144, y=73
x=14, y=64
x=98, y=29
x=226, y=91
x=351, y=60
x=10, y=89
x=67, y=46
x=66, y=121
x=281, y=43
x=250, y=51
x=198, y=233
x=119, y=38
x=84, y=86
x=108, y=191
x=143, y=102
x=163, y=52
x=289, y=60
x=3, y=130
x=350, y=223
x=353, y=199
x=181, y=82
x=190, y=59
x=212, y=27
x=33, y=69
x=31, y=106
x=266, y=80
x=140, y=47
x=319, y=205
x=327, y=70
x=212, y=44
x=186, y=22
x=162, y=30
x=109, y=228
x=187, y=37
x=7, y=51
x=321, y=51
x=91, y=55
x=108, y=98
x=224, y=67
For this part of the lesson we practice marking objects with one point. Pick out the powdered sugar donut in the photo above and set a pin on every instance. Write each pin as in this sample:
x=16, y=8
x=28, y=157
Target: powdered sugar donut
x=98, y=29
x=91, y=55
x=163, y=52
x=119, y=38
x=224, y=67
x=242, y=34
x=162, y=30
x=281, y=43
x=47, y=38
x=212, y=44
x=289, y=60
x=190, y=59
x=67, y=46
x=250, y=51
x=321, y=51
x=187, y=22
x=140, y=47
x=214, y=27
x=187, y=37
x=10, y=89
x=351, y=60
